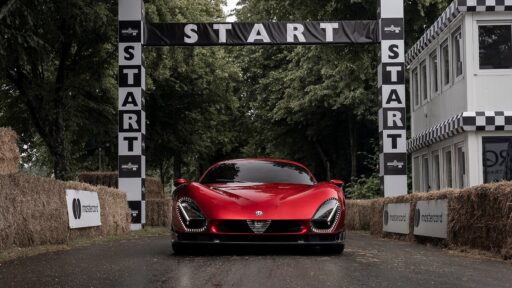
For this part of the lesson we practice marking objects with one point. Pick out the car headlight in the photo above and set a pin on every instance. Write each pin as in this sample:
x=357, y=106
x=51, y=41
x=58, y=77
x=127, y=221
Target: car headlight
x=190, y=215
x=326, y=216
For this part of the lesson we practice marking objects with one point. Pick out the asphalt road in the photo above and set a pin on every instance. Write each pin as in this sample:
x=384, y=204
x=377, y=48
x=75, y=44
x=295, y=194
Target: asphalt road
x=149, y=262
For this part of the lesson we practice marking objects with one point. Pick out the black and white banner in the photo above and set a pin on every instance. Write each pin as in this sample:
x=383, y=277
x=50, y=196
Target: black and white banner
x=132, y=115
x=83, y=208
x=392, y=114
x=298, y=33
x=395, y=218
x=431, y=218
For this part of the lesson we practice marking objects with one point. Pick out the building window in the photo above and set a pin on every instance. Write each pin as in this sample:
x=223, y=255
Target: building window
x=447, y=168
x=445, y=63
x=436, y=175
x=415, y=87
x=425, y=175
x=423, y=81
x=457, y=52
x=417, y=174
x=495, y=46
x=461, y=166
x=434, y=69
x=497, y=158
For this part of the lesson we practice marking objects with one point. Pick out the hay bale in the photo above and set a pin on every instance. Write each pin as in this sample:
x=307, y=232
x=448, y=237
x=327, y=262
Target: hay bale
x=154, y=188
x=33, y=211
x=358, y=214
x=107, y=179
x=9, y=154
x=158, y=212
x=479, y=217
x=376, y=208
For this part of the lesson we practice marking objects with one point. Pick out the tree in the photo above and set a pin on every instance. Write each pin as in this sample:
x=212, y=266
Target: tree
x=58, y=81
x=191, y=103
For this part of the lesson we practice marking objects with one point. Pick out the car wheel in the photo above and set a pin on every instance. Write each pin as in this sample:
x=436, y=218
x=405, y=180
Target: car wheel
x=335, y=249
x=179, y=248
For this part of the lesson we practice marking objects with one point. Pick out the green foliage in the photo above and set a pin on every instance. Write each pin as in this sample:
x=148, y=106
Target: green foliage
x=363, y=187
x=58, y=76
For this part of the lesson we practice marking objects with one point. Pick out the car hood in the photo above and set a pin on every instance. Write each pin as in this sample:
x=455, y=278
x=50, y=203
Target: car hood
x=274, y=200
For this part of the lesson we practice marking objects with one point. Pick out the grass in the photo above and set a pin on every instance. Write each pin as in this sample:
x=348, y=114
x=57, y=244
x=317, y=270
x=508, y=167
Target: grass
x=16, y=252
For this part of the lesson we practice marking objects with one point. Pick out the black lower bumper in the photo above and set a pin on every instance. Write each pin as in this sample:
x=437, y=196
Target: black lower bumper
x=260, y=239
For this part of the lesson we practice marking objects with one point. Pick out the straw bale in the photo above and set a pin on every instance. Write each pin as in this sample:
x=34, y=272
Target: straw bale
x=358, y=214
x=154, y=188
x=33, y=211
x=9, y=154
x=158, y=212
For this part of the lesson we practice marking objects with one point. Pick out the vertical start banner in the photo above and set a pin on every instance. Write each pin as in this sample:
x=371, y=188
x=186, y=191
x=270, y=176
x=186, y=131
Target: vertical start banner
x=132, y=115
x=391, y=82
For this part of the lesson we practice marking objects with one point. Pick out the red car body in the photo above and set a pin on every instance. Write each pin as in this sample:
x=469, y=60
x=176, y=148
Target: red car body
x=283, y=212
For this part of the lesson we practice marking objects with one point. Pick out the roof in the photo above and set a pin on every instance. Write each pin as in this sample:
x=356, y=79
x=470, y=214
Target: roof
x=448, y=16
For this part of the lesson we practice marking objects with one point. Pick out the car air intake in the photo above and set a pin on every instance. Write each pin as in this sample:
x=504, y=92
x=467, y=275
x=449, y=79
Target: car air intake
x=258, y=226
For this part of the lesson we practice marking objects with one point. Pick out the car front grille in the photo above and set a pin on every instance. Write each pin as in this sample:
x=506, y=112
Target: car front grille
x=275, y=227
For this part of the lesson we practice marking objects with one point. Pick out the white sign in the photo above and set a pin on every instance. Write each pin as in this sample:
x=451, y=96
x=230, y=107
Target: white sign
x=431, y=218
x=83, y=208
x=396, y=218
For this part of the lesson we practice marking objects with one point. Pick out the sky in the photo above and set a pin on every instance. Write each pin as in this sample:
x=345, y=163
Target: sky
x=231, y=4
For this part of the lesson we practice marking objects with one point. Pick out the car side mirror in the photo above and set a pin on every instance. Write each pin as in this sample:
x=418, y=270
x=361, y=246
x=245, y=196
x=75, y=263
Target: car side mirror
x=337, y=182
x=179, y=182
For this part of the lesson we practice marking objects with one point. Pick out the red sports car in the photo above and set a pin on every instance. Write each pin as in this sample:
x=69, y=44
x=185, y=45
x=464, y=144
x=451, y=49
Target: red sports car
x=258, y=201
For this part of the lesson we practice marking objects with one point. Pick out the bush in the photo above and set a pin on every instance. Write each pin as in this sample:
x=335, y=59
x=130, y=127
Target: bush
x=364, y=187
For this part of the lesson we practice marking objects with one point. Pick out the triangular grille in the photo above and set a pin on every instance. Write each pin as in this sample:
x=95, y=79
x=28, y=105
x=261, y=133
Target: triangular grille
x=258, y=226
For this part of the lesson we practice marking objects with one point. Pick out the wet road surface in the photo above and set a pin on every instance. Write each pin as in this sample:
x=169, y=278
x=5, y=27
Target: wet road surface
x=149, y=262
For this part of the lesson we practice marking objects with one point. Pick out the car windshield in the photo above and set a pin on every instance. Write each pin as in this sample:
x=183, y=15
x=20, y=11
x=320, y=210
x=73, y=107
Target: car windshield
x=258, y=171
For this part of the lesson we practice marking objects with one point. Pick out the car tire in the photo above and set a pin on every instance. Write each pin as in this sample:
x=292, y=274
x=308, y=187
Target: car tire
x=179, y=248
x=335, y=249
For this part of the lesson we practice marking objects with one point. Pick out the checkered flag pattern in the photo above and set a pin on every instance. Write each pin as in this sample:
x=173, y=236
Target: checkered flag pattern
x=453, y=10
x=132, y=115
x=392, y=112
x=467, y=121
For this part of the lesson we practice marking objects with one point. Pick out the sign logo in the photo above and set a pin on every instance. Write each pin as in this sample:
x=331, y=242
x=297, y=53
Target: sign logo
x=417, y=217
x=130, y=32
x=259, y=213
x=77, y=208
x=130, y=166
x=396, y=164
x=134, y=213
x=386, y=217
x=392, y=29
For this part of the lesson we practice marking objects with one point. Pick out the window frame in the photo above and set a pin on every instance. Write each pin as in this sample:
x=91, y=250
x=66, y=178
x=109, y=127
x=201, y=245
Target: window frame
x=447, y=185
x=415, y=91
x=457, y=166
x=448, y=47
x=456, y=31
x=425, y=187
x=434, y=93
x=436, y=183
x=477, y=48
x=424, y=98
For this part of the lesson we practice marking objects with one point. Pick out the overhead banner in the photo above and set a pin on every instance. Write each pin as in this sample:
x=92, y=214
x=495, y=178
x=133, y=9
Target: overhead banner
x=396, y=218
x=296, y=33
x=83, y=209
x=431, y=218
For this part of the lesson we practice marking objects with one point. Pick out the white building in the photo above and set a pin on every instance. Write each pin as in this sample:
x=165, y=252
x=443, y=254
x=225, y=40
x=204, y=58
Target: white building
x=460, y=75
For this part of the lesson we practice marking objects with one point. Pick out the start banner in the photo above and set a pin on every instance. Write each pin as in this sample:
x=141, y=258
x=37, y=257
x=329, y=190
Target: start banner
x=239, y=33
